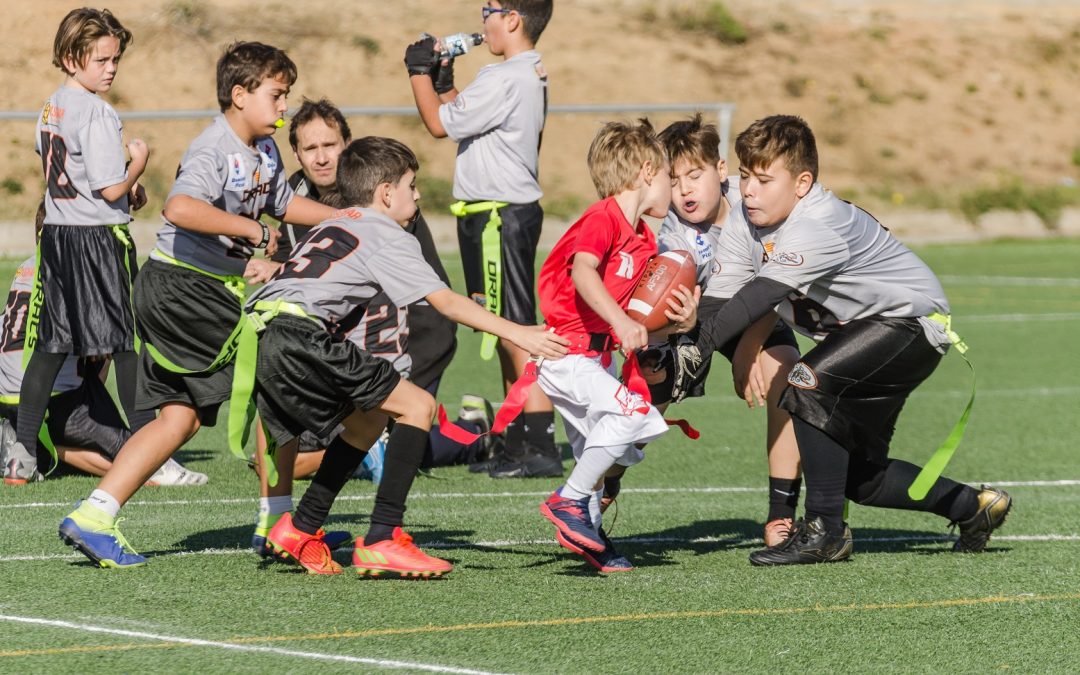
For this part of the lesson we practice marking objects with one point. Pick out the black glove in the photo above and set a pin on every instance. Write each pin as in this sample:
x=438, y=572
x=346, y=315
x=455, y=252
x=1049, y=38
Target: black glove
x=443, y=77
x=420, y=57
x=688, y=363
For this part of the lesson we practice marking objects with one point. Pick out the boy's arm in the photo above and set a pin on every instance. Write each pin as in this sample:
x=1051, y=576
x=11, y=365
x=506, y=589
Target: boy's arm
x=535, y=340
x=428, y=102
x=199, y=216
x=140, y=154
x=304, y=211
x=748, y=380
x=630, y=334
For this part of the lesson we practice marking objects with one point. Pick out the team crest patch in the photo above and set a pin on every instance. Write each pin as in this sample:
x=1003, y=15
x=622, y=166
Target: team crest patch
x=237, y=172
x=787, y=259
x=266, y=152
x=45, y=112
x=802, y=376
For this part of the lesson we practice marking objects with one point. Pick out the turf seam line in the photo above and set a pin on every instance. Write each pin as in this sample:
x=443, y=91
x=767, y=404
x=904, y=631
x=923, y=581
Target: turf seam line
x=235, y=646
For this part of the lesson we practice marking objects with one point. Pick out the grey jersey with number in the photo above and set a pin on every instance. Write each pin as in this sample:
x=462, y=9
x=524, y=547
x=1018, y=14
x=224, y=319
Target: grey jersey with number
x=222, y=170
x=677, y=234
x=345, y=262
x=14, y=336
x=80, y=140
x=843, y=264
x=497, y=121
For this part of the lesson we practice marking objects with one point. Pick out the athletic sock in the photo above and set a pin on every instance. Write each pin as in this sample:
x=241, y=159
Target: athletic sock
x=35, y=394
x=594, y=509
x=273, y=506
x=100, y=503
x=590, y=469
x=783, y=497
x=539, y=428
x=889, y=489
x=514, y=436
x=338, y=464
x=825, y=467
x=404, y=453
x=127, y=367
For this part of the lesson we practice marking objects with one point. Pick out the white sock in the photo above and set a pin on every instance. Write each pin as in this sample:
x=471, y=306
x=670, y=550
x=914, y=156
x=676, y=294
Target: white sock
x=590, y=469
x=105, y=502
x=272, y=506
x=594, y=509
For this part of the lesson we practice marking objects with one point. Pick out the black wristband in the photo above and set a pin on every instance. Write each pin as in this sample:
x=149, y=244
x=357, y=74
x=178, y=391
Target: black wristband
x=265, y=235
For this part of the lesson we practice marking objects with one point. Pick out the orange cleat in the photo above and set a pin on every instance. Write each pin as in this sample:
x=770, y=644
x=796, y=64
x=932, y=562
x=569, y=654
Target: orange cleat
x=397, y=555
x=309, y=550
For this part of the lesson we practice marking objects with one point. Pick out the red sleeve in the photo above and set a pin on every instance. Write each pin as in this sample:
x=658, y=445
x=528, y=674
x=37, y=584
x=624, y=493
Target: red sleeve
x=596, y=235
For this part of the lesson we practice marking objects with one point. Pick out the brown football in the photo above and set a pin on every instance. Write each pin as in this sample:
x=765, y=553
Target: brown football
x=664, y=273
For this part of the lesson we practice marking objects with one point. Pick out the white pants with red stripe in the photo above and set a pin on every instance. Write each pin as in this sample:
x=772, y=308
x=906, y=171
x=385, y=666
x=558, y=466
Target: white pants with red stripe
x=597, y=409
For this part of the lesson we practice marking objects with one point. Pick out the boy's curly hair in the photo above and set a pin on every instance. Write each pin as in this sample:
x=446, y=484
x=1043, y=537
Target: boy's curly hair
x=618, y=152
x=786, y=137
x=247, y=64
x=80, y=30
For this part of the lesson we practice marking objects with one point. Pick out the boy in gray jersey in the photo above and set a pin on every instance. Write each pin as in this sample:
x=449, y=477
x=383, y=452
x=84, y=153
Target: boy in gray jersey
x=81, y=302
x=498, y=122
x=702, y=198
x=310, y=379
x=880, y=315
x=189, y=296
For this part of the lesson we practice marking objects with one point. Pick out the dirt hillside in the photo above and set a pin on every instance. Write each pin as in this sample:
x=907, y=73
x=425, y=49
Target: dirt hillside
x=913, y=102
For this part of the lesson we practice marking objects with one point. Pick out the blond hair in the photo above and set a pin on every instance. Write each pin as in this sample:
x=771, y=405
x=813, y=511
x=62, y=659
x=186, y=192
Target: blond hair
x=619, y=151
x=80, y=30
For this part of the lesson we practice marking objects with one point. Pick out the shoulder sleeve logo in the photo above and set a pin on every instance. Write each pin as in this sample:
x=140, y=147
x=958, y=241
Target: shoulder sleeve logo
x=788, y=259
x=802, y=376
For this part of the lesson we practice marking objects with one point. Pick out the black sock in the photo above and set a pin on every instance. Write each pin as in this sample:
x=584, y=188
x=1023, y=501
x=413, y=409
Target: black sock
x=783, y=497
x=540, y=431
x=514, y=437
x=825, y=467
x=35, y=394
x=127, y=368
x=888, y=488
x=338, y=464
x=404, y=453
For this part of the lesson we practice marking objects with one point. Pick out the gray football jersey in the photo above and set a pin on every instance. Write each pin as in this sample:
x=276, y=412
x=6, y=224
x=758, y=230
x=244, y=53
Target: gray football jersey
x=842, y=262
x=497, y=121
x=222, y=170
x=14, y=336
x=345, y=262
x=80, y=140
x=383, y=331
x=677, y=234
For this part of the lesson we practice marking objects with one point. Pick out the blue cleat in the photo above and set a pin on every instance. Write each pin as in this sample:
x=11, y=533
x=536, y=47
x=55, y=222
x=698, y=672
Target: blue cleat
x=571, y=516
x=100, y=542
x=608, y=561
x=372, y=467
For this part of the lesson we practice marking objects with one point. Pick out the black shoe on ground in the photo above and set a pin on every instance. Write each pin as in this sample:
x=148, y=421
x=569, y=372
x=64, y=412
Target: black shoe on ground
x=994, y=505
x=533, y=463
x=503, y=454
x=808, y=543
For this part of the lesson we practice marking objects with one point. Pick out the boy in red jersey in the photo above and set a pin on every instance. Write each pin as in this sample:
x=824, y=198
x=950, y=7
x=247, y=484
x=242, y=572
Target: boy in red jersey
x=585, y=286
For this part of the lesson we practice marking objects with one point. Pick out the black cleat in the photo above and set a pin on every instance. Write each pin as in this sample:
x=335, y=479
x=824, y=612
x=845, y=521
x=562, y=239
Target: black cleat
x=975, y=532
x=534, y=463
x=807, y=544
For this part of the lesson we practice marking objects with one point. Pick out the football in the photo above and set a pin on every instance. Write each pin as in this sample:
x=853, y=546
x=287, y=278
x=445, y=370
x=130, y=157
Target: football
x=664, y=273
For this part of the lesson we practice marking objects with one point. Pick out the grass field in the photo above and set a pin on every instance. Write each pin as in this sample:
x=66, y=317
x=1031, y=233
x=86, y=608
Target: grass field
x=688, y=517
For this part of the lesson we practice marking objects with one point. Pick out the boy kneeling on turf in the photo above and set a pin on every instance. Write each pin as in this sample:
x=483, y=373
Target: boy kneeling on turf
x=309, y=378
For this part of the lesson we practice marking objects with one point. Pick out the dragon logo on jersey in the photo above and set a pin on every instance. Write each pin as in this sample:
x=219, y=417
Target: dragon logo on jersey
x=802, y=376
x=787, y=259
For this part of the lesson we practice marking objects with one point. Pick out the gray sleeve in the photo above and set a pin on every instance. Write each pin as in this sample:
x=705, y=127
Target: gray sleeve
x=805, y=253
x=283, y=195
x=483, y=105
x=401, y=271
x=103, y=148
x=733, y=265
x=202, y=175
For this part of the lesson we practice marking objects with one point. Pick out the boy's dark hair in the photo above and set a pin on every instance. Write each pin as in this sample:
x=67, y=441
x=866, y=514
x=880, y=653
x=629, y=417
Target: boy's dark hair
x=693, y=140
x=322, y=109
x=78, y=32
x=368, y=162
x=247, y=64
x=786, y=137
x=534, y=13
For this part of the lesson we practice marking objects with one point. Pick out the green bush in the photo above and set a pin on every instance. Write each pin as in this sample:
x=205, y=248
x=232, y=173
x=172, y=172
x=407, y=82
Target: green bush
x=436, y=193
x=1046, y=202
x=11, y=186
x=712, y=18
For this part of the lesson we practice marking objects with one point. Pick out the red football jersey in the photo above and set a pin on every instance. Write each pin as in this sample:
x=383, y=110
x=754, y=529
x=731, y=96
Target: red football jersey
x=623, y=251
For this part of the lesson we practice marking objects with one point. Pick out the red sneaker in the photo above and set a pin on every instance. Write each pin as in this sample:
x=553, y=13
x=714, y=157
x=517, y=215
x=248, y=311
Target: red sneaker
x=307, y=549
x=398, y=555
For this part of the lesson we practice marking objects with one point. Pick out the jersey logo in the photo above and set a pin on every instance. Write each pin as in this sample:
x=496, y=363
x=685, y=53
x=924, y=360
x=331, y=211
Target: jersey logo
x=629, y=402
x=45, y=112
x=626, y=266
x=266, y=153
x=787, y=259
x=802, y=376
x=237, y=173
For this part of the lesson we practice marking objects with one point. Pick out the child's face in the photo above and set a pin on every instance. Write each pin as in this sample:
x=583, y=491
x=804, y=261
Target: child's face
x=400, y=199
x=657, y=199
x=97, y=74
x=770, y=193
x=696, y=190
x=495, y=29
x=262, y=108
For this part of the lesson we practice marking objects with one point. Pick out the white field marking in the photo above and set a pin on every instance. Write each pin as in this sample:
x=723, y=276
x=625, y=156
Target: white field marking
x=277, y=651
x=247, y=501
x=1013, y=318
x=976, y=280
x=733, y=540
x=1025, y=392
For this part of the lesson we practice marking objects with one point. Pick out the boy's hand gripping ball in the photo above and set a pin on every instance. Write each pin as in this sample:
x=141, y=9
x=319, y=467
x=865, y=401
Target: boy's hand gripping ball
x=663, y=275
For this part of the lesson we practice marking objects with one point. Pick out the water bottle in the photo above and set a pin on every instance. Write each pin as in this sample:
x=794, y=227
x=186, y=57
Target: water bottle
x=453, y=46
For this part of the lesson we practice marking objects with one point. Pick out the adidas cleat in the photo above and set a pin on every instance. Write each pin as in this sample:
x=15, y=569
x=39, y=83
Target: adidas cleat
x=397, y=555
x=308, y=550
x=975, y=532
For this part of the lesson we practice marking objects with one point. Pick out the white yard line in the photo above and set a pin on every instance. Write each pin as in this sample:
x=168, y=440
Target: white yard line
x=979, y=280
x=276, y=651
